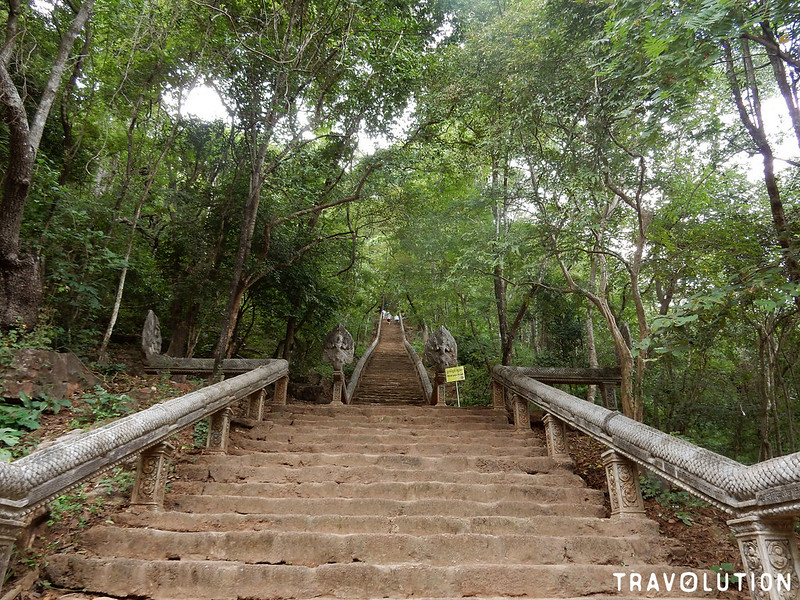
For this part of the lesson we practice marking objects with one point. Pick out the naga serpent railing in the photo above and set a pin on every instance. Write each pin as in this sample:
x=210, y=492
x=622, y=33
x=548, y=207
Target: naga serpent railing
x=763, y=499
x=31, y=482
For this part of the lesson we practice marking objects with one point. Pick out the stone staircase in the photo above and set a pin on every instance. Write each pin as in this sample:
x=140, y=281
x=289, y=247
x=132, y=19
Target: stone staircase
x=389, y=376
x=368, y=501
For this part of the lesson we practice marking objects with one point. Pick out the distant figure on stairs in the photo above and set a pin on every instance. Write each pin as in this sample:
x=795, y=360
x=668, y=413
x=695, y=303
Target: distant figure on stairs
x=397, y=318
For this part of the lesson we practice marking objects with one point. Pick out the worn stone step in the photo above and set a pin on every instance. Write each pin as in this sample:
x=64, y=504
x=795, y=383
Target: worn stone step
x=208, y=580
x=313, y=548
x=421, y=448
x=488, y=464
x=378, y=506
x=453, y=430
x=402, y=524
x=444, y=427
x=426, y=490
x=390, y=413
x=225, y=472
x=290, y=435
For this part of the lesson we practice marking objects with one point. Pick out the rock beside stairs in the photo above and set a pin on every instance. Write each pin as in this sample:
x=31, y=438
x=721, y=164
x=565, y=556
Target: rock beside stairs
x=369, y=501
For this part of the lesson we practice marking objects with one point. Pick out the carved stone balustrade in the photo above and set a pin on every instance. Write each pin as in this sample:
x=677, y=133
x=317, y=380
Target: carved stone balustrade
x=219, y=427
x=521, y=413
x=770, y=556
x=151, y=476
x=556, y=435
x=624, y=490
x=764, y=498
x=34, y=480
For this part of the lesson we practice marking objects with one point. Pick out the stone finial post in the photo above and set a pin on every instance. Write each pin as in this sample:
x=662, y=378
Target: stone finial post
x=624, y=490
x=255, y=405
x=338, y=387
x=770, y=556
x=441, y=352
x=337, y=351
x=556, y=434
x=281, y=387
x=151, y=335
x=218, y=431
x=522, y=416
x=438, y=396
x=151, y=476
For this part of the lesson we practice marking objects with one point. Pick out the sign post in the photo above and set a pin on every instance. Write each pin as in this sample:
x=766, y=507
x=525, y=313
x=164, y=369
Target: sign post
x=455, y=374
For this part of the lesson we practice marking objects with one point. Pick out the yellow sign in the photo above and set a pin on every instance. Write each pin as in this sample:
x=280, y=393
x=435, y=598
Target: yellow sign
x=454, y=374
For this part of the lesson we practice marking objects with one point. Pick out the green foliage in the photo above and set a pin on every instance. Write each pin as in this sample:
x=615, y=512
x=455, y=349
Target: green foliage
x=99, y=405
x=18, y=419
x=117, y=481
x=67, y=506
x=200, y=433
x=678, y=502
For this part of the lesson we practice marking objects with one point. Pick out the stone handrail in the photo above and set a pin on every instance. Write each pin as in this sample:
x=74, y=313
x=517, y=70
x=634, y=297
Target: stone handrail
x=32, y=481
x=768, y=488
x=422, y=373
x=359, y=368
x=764, y=498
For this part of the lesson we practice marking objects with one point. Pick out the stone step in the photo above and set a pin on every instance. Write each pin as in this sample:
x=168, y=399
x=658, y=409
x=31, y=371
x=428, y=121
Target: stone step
x=386, y=507
x=391, y=412
x=421, y=448
x=426, y=490
x=450, y=463
x=449, y=429
x=403, y=524
x=210, y=580
x=444, y=427
x=231, y=473
x=313, y=548
x=293, y=435
x=402, y=411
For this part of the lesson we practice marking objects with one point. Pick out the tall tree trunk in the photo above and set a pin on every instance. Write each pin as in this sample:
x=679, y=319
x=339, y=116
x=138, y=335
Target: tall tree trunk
x=21, y=286
x=767, y=360
x=753, y=121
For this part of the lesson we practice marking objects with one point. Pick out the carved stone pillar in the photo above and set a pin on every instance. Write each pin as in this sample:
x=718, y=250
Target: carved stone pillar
x=522, y=416
x=498, y=396
x=608, y=395
x=556, y=434
x=151, y=476
x=438, y=398
x=218, y=429
x=10, y=529
x=624, y=490
x=255, y=405
x=281, y=386
x=770, y=557
x=338, y=387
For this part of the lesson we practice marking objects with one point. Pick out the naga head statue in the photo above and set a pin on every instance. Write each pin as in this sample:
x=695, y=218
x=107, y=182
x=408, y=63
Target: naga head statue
x=337, y=350
x=151, y=335
x=441, y=350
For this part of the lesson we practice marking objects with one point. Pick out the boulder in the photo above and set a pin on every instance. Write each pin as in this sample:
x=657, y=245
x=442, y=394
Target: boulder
x=44, y=372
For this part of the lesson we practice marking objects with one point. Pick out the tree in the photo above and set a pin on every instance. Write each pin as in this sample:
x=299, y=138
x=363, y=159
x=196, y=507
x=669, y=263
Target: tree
x=20, y=271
